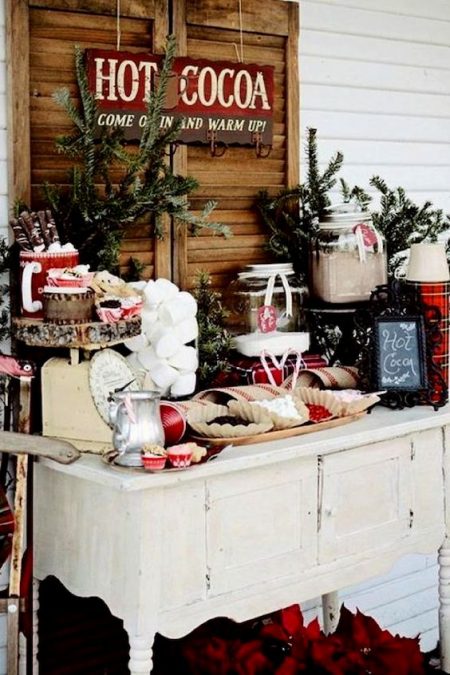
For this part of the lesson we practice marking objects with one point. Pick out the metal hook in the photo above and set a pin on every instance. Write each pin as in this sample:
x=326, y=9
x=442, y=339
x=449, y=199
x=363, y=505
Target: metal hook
x=211, y=136
x=173, y=147
x=262, y=151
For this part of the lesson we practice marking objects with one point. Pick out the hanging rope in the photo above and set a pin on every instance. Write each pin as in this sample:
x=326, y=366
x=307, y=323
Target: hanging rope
x=118, y=26
x=240, y=56
x=241, y=35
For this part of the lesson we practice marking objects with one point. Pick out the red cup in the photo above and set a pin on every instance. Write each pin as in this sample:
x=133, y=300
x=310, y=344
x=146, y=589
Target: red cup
x=173, y=421
x=33, y=277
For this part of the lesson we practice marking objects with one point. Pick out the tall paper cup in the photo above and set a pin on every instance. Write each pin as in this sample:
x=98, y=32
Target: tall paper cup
x=428, y=262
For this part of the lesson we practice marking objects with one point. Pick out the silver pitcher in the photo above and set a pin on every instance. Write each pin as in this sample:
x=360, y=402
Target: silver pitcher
x=136, y=420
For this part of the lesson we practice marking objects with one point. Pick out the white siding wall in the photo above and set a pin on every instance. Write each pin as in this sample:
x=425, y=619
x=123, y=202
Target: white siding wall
x=375, y=82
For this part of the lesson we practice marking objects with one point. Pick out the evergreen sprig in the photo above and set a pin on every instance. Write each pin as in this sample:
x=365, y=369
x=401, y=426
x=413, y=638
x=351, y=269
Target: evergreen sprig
x=214, y=342
x=355, y=194
x=96, y=210
x=402, y=222
x=292, y=216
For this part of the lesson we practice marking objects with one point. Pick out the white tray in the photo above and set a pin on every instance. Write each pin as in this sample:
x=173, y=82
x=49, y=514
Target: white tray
x=252, y=344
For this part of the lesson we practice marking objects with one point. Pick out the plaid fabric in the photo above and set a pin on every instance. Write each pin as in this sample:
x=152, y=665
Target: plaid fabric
x=438, y=295
x=6, y=527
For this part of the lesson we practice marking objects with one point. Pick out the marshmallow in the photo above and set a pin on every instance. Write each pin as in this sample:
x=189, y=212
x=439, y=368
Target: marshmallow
x=184, y=384
x=166, y=345
x=159, y=291
x=148, y=384
x=186, y=330
x=138, y=285
x=136, y=343
x=147, y=357
x=181, y=307
x=163, y=375
x=185, y=358
x=157, y=332
x=54, y=247
x=149, y=320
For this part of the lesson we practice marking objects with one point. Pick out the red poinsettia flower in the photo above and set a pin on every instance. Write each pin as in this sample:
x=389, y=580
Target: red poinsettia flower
x=369, y=648
x=249, y=659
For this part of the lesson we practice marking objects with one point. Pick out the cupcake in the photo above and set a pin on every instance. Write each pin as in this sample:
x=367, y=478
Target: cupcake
x=180, y=456
x=154, y=457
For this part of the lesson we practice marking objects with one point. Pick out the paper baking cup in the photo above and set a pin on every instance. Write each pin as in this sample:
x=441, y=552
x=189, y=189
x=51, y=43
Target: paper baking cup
x=249, y=411
x=154, y=462
x=198, y=419
x=320, y=397
x=357, y=405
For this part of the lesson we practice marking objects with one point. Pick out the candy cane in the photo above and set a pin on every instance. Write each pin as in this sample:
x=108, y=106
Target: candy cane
x=265, y=353
x=298, y=364
x=129, y=408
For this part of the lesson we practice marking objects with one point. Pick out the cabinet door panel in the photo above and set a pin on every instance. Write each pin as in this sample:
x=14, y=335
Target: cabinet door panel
x=366, y=498
x=261, y=525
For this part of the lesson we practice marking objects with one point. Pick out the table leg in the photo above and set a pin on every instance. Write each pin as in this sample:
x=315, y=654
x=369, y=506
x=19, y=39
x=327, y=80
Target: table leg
x=444, y=604
x=35, y=628
x=22, y=654
x=330, y=611
x=141, y=654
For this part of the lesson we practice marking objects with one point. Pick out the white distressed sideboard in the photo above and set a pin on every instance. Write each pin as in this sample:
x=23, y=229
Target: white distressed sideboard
x=259, y=528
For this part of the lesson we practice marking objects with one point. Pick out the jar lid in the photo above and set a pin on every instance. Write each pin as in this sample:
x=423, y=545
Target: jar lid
x=266, y=270
x=343, y=215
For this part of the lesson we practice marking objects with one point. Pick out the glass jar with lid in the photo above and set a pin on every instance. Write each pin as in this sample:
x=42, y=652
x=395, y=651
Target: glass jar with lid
x=265, y=301
x=347, y=257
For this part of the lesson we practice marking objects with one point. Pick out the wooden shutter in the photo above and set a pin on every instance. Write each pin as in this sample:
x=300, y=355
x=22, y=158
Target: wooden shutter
x=211, y=29
x=44, y=33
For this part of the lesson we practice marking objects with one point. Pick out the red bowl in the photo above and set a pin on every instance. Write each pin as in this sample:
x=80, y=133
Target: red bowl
x=173, y=421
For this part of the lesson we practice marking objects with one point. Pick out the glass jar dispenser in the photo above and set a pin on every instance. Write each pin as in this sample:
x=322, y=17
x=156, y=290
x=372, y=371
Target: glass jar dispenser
x=264, y=299
x=347, y=257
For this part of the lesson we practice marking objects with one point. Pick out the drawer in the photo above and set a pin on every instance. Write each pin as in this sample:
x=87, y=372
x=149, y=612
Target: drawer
x=366, y=498
x=261, y=525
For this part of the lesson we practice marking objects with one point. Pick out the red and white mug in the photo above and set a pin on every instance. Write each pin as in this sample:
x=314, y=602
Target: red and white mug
x=33, y=276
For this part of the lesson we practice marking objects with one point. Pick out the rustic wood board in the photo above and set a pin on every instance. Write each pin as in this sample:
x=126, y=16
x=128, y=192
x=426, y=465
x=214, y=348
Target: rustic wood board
x=93, y=335
x=280, y=434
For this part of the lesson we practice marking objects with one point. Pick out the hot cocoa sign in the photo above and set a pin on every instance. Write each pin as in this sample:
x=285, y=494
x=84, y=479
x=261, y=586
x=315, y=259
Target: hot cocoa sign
x=233, y=102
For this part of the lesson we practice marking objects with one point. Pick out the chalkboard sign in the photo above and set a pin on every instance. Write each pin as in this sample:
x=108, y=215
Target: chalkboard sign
x=400, y=353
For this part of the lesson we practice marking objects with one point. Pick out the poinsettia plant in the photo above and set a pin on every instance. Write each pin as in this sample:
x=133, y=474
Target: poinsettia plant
x=281, y=644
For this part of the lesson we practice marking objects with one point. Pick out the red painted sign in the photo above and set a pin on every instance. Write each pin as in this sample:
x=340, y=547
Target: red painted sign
x=233, y=101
